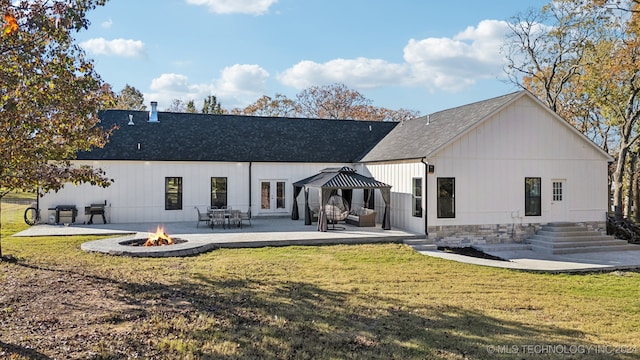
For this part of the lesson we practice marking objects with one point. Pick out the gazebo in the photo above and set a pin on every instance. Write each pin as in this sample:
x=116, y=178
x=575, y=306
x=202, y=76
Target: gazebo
x=330, y=180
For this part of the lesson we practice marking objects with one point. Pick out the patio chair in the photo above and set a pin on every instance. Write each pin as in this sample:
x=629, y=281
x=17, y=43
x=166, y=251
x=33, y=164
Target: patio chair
x=235, y=218
x=217, y=218
x=337, y=209
x=202, y=217
x=246, y=215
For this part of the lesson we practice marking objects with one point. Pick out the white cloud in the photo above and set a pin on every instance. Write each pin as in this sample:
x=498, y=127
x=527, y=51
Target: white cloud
x=107, y=24
x=254, y=7
x=361, y=73
x=115, y=47
x=450, y=64
x=238, y=86
x=243, y=79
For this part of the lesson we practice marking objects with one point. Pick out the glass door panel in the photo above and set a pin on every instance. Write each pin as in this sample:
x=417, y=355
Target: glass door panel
x=265, y=195
x=280, y=196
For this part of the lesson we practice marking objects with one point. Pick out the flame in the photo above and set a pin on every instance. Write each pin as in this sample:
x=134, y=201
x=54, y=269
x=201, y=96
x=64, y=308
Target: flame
x=159, y=238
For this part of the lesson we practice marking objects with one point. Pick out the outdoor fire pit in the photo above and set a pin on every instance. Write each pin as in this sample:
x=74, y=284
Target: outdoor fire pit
x=159, y=238
x=152, y=244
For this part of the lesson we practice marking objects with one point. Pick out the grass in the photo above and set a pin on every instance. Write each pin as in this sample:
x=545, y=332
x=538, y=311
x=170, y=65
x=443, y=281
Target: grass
x=330, y=302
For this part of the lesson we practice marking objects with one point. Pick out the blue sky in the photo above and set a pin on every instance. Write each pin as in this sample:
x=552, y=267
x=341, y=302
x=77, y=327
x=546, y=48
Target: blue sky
x=420, y=55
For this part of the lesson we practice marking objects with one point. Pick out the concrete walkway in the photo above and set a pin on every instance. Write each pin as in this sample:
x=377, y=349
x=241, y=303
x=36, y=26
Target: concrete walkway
x=530, y=260
x=266, y=231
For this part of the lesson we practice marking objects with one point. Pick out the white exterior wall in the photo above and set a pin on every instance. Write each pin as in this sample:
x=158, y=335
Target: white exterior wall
x=138, y=192
x=400, y=177
x=490, y=164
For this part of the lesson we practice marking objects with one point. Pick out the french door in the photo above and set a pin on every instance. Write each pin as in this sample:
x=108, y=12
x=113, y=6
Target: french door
x=272, y=196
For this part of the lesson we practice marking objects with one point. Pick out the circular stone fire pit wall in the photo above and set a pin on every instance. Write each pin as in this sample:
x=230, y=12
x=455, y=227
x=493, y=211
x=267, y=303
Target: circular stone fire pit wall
x=132, y=245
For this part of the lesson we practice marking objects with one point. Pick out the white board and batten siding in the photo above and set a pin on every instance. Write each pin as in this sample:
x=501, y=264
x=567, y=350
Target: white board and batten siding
x=400, y=176
x=490, y=163
x=289, y=173
x=138, y=192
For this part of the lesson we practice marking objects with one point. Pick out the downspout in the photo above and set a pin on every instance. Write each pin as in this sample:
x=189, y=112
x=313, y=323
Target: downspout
x=250, y=164
x=426, y=203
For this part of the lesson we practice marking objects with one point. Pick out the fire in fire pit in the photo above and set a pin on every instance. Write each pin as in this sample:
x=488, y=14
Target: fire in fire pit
x=159, y=238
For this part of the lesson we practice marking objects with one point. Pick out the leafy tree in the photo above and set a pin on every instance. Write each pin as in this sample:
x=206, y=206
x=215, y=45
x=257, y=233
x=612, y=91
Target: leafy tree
x=337, y=101
x=334, y=101
x=279, y=106
x=191, y=107
x=212, y=106
x=581, y=58
x=49, y=97
x=130, y=98
x=374, y=113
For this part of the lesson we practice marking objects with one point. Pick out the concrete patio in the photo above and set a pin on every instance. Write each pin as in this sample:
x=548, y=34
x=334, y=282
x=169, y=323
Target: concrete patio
x=281, y=231
x=263, y=231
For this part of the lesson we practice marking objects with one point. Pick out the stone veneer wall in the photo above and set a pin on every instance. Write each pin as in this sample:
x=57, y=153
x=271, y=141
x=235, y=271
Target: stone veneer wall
x=467, y=235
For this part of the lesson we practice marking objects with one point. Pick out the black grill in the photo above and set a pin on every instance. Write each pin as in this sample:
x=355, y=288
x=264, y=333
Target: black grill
x=95, y=209
x=66, y=212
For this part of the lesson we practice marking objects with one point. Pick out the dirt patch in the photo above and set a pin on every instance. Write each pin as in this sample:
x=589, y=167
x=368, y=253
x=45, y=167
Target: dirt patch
x=70, y=315
x=469, y=251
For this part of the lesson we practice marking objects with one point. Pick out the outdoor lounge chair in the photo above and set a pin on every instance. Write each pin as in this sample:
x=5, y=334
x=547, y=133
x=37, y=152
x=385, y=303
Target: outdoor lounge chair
x=337, y=209
x=202, y=217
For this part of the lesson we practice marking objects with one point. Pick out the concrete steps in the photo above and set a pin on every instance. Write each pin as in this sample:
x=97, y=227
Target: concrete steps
x=421, y=244
x=569, y=238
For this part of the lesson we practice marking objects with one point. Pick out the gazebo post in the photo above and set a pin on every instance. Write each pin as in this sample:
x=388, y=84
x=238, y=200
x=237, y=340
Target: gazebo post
x=307, y=210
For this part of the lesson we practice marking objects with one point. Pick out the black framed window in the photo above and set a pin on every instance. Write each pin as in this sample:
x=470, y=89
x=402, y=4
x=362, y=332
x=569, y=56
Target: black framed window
x=532, y=196
x=446, y=197
x=173, y=193
x=416, y=196
x=218, y=192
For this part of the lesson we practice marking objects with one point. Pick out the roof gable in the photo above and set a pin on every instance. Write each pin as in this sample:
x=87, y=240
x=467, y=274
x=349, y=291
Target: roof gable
x=422, y=136
x=425, y=136
x=204, y=137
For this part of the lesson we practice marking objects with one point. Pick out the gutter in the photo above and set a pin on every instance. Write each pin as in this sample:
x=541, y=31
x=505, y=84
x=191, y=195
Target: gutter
x=426, y=203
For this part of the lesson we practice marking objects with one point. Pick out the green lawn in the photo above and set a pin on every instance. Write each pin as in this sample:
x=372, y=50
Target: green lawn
x=327, y=302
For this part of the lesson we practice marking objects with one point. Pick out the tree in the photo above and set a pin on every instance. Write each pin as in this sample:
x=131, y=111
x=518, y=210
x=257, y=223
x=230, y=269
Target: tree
x=50, y=97
x=191, y=107
x=581, y=58
x=279, y=106
x=212, y=106
x=373, y=113
x=130, y=98
x=334, y=101
x=177, y=105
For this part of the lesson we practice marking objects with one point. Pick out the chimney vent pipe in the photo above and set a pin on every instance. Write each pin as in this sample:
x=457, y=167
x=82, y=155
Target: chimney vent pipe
x=153, y=114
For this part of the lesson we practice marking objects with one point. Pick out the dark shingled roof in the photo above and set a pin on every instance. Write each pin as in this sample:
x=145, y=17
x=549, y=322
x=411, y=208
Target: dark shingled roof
x=423, y=136
x=234, y=138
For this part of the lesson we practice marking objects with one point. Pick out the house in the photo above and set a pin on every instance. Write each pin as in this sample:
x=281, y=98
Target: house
x=165, y=164
x=491, y=171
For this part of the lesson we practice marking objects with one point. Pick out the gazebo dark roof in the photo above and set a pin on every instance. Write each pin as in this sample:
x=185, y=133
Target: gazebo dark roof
x=235, y=138
x=341, y=178
x=330, y=179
